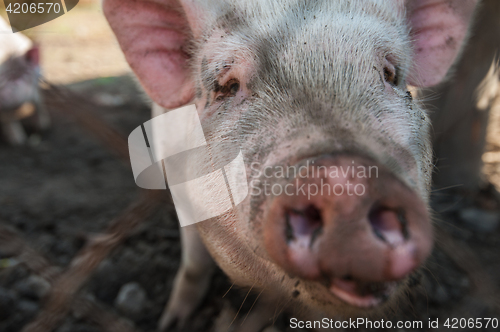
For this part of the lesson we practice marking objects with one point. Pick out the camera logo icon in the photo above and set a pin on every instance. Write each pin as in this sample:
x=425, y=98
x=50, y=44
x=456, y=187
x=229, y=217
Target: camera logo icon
x=205, y=179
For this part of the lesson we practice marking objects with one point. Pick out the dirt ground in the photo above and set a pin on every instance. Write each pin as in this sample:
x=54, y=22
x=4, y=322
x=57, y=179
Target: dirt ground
x=66, y=186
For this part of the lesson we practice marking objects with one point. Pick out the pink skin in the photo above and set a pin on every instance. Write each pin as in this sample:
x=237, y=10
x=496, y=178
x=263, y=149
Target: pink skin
x=167, y=31
x=380, y=247
x=363, y=244
x=439, y=28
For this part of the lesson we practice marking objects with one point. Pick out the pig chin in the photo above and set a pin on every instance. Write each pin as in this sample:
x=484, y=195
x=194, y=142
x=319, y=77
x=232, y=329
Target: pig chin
x=349, y=236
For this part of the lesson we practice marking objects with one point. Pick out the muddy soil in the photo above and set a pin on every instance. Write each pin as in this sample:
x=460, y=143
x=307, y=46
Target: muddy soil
x=66, y=185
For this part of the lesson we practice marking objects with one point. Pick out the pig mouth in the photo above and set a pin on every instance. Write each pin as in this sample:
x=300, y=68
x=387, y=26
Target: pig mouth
x=360, y=293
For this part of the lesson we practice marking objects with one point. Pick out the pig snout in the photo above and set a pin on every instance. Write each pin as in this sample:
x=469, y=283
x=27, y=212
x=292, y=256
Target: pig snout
x=350, y=225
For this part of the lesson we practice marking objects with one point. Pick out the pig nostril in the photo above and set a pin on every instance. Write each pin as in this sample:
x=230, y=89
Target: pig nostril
x=303, y=225
x=313, y=214
x=389, y=225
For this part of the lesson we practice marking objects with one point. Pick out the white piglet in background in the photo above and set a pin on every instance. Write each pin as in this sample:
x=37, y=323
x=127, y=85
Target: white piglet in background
x=311, y=84
x=20, y=97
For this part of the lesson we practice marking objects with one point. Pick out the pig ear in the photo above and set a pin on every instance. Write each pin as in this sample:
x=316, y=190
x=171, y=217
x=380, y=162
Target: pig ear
x=155, y=37
x=438, y=30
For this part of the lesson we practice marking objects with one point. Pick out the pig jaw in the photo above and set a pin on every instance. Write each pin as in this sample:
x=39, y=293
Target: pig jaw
x=270, y=253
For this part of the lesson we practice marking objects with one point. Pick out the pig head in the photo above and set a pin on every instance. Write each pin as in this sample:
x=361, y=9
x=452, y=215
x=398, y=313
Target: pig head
x=319, y=87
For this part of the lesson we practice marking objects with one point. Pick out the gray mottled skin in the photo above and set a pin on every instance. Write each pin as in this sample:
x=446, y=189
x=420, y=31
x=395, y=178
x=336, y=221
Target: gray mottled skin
x=312, y=81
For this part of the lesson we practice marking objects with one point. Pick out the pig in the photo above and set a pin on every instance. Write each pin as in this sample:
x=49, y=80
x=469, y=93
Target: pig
x=313, y=86
x=20, y=96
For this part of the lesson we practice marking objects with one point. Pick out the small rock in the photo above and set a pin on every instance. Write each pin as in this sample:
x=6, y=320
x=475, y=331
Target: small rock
x=34, y=140
x=7, y=298
x=45, y=241
x=440, y=295
x=131, y=299
x=145, y=249
x=464, y=282
x=29, y=308
x=106, y=282
x=480, y=220
x=33, y=287
x=130, y=257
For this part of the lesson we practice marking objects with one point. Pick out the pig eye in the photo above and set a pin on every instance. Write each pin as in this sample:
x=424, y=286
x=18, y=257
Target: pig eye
x=228, y=90
x=390, y=75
